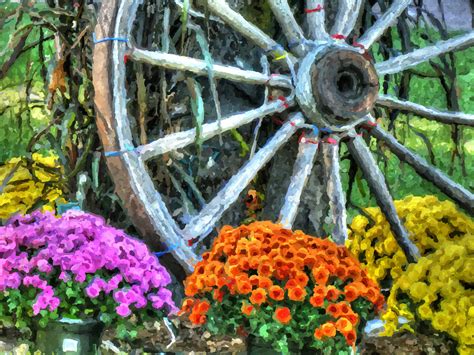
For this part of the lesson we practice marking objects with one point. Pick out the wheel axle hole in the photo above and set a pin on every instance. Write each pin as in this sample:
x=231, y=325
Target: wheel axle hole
x=346, y=83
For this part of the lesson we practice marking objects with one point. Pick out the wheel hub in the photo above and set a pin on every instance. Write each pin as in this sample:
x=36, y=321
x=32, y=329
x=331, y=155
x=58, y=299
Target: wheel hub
x=339, y=86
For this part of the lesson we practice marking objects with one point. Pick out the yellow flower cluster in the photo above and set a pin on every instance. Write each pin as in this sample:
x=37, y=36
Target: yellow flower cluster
x=24, y=189
x=440, y=284
x=430, y=222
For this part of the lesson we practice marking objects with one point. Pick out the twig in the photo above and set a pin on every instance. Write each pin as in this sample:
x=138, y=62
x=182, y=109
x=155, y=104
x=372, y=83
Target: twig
x=16, y=53
x=9, y=176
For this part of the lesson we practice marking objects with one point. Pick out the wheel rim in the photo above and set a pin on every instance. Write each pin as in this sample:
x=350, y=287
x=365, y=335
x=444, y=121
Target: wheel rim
x=306, y=93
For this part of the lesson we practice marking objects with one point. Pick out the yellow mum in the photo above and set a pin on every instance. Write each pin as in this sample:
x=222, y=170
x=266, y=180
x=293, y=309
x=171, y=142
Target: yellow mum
x=439, y=283
x=28, y=188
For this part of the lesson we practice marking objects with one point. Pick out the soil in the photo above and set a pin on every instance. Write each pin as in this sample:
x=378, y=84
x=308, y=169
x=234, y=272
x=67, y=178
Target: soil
x=407, y=344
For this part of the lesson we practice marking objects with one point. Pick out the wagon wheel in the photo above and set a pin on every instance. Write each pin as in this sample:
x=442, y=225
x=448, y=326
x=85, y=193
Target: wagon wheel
x=330, y=85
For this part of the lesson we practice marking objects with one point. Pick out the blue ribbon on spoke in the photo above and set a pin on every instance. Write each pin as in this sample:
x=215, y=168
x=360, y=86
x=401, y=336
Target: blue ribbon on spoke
x=120, y=152
x=106, y=39
x=167, y=250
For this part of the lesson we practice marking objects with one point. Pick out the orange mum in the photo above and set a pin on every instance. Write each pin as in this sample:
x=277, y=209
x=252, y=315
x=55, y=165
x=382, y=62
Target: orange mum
x=262, y=260
x=333, y=310
x=218, y=295
x=254, y=280
x=191, y=289
x=321, y=275
x=265, y=269
x=344, y=308
x=201, y=307
x=318, y=333
x=320, y=290
x=247, y=308
x=258, y=296
x=352, y=317
x=341, y=272
x=244, y=287
x=354, y=273
x=188, y=303
x=211, y=280
x=197, y=319
x=292, y=283
x=296, y=293
x=343, y=325
x=276, y=293
x=332, y=293
x=316, y=301
x=329, y=329
x=371, y=294
x=351, y=337
x=265, y=282
x=351, y=293
x=301, y=278
x=282, y=315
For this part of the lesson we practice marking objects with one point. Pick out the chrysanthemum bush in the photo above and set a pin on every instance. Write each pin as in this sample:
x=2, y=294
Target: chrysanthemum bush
x=77, y=266
x=290, y=289
x=438, y=289
x=431, y=223
x=435, y=292
x=26, y=187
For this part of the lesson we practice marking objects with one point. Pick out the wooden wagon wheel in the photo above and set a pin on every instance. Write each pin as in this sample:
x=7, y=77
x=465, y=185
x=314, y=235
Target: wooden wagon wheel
x=330, y=84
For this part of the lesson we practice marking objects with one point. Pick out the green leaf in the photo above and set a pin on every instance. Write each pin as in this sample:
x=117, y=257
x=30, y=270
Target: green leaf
x=133, y=334
x=20, y=323
x=263, y=331
x=106, y=318
x=74, y=310
x=70, y=292
x=122, y=331
x=197, y=107
x=253, y=324
x=43, y=322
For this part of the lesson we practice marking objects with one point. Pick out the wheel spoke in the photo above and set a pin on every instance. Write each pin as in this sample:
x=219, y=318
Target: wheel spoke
x=337, y=200
x=213, y=211
x=293, y=32
x=144, y=196
x=378, y=187
x=346, y=17
x=197, y=66
x=195, y=13
x=235, y=20
x=384, y=22
x=405, y=61
x=316, y=19
x=447, y=117
x=453, y=190
x=301, y=172
x=180, y=140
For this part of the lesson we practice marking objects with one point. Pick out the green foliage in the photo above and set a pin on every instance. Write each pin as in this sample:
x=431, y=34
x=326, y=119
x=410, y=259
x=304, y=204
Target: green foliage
x=425, y=137
x=16, y=309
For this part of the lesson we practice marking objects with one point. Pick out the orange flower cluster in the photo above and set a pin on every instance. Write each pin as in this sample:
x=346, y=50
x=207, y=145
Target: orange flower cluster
x=342, y=325
x=269, y=264
x=199, y=310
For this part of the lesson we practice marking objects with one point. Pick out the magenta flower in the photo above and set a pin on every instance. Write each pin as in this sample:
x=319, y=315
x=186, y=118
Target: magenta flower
x=44, y=266
x=92, y=291
x=123, y=310
x=41, y=251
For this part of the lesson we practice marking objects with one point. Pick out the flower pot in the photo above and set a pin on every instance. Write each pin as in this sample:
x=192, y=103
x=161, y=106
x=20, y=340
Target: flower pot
x=258, y=346
x=70, y=336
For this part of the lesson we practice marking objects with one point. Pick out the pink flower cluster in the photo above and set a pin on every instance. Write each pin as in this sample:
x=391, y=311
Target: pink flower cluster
x=40, y=251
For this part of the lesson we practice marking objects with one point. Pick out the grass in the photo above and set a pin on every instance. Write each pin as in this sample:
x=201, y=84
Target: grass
x=18, y=119
x=401, y=178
